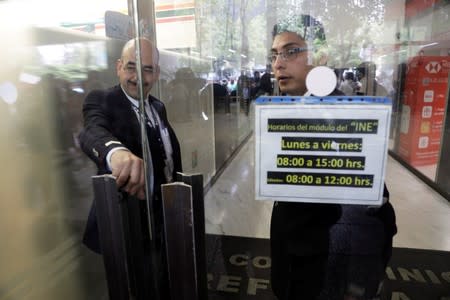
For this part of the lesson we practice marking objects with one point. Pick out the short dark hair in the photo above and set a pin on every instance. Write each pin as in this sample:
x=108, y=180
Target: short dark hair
x=305, y=26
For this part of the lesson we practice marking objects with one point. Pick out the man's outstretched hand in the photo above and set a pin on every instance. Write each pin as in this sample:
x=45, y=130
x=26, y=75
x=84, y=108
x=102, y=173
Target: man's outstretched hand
x=129, y=172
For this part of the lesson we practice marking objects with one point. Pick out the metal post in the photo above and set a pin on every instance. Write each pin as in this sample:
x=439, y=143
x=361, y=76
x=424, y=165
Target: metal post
x=184, y=223
x=179, y=238
x=443, y=169
x=129, y=271
x=198, y=205
x=112, y=236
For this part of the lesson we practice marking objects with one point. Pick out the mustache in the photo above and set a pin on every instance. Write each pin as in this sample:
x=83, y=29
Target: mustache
x=135, y=82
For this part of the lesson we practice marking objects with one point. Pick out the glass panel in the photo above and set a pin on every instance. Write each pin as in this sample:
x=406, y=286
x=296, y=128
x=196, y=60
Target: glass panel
x=189, y=101
x=51, y=63
x=194, y=76
x=423, y=81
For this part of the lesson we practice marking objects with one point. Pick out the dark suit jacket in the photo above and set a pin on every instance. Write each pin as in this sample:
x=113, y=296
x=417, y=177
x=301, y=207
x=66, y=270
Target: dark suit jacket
x=110, y=122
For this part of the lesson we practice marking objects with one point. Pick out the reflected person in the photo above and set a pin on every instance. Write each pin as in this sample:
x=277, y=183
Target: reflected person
x=111, y=138
x=322, y=251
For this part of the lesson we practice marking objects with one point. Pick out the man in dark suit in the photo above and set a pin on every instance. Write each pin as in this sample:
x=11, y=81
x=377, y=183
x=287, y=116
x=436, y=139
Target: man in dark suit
x=111, y=137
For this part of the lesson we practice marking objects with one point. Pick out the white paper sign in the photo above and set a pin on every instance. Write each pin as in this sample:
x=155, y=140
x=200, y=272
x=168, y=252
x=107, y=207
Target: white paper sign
x=321, y=151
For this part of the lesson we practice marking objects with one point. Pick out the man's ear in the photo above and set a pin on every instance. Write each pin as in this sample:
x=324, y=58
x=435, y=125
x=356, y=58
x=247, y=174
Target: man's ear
x=157, y=71
x=118, y=65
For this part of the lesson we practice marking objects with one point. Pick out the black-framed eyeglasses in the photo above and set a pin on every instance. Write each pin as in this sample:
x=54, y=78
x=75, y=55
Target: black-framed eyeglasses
x=286, y=55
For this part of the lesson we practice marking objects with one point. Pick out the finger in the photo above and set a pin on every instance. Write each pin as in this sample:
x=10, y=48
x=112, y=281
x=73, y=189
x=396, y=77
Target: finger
x=123, y=175
x=140, y=189
x=142, y=177
x=141, y=194
x=134, y=181
x=116, y=170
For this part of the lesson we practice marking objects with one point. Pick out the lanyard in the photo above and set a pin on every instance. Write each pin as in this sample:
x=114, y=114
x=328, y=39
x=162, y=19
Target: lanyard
x=155, y=125
x=152, y=123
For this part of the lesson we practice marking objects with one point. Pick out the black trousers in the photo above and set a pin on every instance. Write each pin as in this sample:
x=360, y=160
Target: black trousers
x=299, y=239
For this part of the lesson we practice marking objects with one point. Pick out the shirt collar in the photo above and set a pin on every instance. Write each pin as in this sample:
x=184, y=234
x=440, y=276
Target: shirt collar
x=132, y=100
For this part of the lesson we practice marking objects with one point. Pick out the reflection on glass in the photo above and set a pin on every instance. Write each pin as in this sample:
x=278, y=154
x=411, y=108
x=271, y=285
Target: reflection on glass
x=46, y=188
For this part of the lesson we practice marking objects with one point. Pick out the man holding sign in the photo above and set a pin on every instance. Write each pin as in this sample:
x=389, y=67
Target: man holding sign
x=322, y=251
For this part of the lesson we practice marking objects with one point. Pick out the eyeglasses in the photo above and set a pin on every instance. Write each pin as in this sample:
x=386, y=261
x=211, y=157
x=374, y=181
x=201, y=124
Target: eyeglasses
x=130, y=68
x=286, y=55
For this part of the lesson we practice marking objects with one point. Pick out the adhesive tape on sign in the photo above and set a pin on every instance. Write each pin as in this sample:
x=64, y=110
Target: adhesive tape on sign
x=321, y=81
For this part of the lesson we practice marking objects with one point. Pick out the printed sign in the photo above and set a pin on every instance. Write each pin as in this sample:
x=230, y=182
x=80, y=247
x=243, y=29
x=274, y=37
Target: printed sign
x=321, y=150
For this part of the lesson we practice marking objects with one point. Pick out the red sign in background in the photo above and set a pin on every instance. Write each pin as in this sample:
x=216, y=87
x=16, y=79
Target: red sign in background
x=414, y=7
x=423, y=109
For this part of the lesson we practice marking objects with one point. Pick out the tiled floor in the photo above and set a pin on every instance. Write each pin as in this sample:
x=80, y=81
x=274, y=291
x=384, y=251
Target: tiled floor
x=423, y=216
